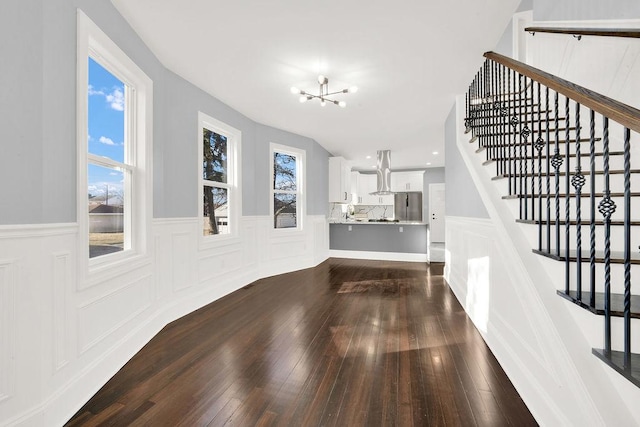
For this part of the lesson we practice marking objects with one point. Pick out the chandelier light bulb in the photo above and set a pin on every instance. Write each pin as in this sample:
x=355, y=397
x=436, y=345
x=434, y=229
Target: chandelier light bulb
x=303, y=98
x=322, y=79
x=295, y=90
x=353, y=89
x=342, y=104
x=322, y=102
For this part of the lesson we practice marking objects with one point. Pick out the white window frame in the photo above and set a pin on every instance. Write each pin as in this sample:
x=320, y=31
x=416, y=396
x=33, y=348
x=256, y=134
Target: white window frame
x=301, y=193
x=93, y=42
x=234, y=189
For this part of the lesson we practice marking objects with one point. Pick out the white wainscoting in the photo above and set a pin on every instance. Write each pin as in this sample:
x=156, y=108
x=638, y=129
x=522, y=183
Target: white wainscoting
x=62, y=339
x=7, y=332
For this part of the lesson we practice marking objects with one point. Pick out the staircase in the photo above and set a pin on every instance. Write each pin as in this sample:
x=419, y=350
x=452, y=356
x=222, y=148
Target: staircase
x=563, y=157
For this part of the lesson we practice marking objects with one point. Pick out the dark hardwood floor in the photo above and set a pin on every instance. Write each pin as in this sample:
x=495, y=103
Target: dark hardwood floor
x=348, y=343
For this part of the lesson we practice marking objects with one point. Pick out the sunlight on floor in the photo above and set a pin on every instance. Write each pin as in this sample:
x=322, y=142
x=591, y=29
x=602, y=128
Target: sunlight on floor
x=477, y=302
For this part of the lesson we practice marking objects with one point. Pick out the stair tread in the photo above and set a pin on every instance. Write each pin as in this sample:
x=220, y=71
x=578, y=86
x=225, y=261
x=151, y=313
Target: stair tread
x=534, y=131
x=585, y=222
x=518, y=144
x=562, y=195
x=616, y=256
x=544, y=156
x=528, y=175
x=617, y=303
x=615, y=359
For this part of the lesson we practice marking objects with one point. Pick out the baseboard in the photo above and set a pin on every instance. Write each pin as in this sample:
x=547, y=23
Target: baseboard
x=378, y=256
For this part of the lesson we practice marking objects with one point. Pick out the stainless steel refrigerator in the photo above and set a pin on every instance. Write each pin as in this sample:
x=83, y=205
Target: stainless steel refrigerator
x=407, y=206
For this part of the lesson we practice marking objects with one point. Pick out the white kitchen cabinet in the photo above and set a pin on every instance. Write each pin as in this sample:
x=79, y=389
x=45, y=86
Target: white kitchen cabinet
x=355, y=193
x=366, y=184
x=407, y=181
x=339, y=180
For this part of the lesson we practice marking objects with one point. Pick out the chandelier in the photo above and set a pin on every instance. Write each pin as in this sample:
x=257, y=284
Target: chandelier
x=323, y=93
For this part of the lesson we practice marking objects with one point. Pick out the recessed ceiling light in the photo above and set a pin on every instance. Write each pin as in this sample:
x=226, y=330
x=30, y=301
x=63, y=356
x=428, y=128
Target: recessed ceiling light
x=435, y=153
x=368, y=157
x=374, y=166
x=428, y=163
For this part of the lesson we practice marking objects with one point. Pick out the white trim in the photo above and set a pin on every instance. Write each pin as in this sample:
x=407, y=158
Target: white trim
x=93, y=42
x=520, y=21
x=380, y=256
x=233, y=184
x=301, y=193
x=26, y=231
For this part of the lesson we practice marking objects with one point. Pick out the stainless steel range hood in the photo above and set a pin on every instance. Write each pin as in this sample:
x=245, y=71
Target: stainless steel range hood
x=383, y=170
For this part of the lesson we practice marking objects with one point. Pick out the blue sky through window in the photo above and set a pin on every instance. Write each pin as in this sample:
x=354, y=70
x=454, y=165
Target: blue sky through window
x=106, y=121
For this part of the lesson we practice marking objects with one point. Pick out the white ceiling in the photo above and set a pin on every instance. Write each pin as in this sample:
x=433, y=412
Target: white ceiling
x=409, y=59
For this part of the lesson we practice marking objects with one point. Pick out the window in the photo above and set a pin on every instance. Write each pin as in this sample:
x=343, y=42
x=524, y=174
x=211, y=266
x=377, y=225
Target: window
x=287, y=166
x=114, y=139
x=109, y=168
x=218, y=147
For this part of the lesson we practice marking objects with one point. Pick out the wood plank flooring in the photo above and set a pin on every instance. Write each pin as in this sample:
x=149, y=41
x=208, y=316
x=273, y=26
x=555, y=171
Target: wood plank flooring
x=348, y=343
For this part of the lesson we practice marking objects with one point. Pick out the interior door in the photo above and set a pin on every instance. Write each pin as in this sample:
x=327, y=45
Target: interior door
x=436, y=212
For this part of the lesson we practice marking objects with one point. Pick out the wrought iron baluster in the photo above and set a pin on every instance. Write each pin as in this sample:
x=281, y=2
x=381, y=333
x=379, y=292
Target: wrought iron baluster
x=607, y=207
x=536, y=107
x=578, y=181
x=510, y=144
x=481, y=106
x=592, y=208
x=514, y=124
x=567, y=198
x=548, y=174
x=539, y=145
x=504, y=125
x=525, y=133
x=627, y=249
x=556, y=162
x=494, y=130
x=521, y=160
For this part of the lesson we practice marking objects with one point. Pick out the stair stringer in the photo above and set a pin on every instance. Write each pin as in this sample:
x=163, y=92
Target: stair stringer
x=532, y=334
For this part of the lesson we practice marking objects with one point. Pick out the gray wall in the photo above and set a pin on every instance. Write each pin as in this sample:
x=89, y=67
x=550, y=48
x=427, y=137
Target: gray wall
x=462, y=198
x=431, y=176
x=38, y=121
x=505, y=44
x=554, y=10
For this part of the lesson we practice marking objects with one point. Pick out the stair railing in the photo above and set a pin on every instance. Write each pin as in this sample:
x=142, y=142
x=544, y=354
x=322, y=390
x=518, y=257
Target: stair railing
x=530, y=124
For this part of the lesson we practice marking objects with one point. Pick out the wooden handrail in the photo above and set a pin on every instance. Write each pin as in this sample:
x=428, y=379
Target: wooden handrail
x=602, y=32
x=624, y=114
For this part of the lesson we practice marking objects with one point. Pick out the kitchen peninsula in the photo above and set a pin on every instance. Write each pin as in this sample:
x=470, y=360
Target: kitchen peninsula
x=385, y=240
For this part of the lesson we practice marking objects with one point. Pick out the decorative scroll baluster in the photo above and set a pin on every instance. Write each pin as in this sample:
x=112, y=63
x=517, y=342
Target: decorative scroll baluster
x=514, y=125
x=522, y=155
x=607, y=207
x=548, y=173
x=539, y=145
x=567, y=198
x=511, y=147
x=627, y=249
x=483, y=107
x=504, y=114
x=578, y=181
x=494, y=114
x=592, y=204
x=534, y=107
x=556, y=162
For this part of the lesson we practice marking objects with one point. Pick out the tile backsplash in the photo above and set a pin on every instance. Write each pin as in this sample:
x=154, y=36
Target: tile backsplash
x=338, y=211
